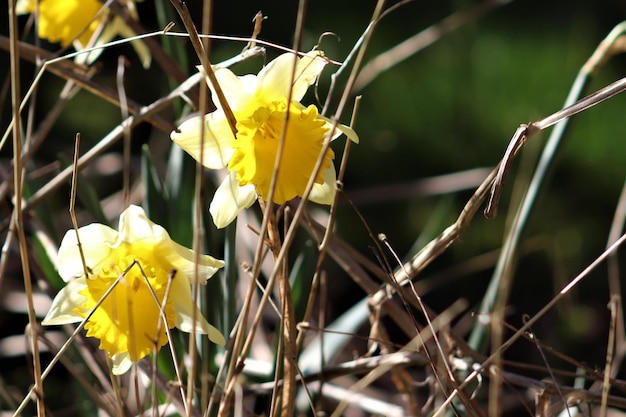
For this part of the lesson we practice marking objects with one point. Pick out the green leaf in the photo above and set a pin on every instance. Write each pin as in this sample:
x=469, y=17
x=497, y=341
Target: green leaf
x=155, y=202
x=301, y=276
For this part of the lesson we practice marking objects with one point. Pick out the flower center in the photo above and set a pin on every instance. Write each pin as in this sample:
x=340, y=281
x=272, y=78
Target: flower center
x=257, y=143
x=127, y=320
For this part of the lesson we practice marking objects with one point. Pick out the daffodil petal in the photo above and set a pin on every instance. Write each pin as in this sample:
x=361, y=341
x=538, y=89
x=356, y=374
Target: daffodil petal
x=24, y=6
x=309, y=68
x=119, y=27
x=346, y=130
x=96, y=241
x=121, y=363
x=85, y=58
x=325, y=193
x=229, y=199
x=180, y=295
x=135, y=226
x=63, y=305
x=238, y=91
x=108, y=33
x=218, y=139
x=275, y=77
x=184, y=260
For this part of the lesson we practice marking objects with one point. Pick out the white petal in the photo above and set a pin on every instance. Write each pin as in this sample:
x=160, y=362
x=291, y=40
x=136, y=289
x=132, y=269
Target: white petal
x=275, y=77
x=96, y=242
x=86, y=58
x=121, y=28
x=346, y=130
x=218, y=139
x=308, y=70
x=135, y=226
x=108, y=33
x=229, y=199
x=180, y=296
x=184, y=260
x=238, y=91
x=325, y=193
x=249, y=85
x=24, y=6
x=62, y=309
x=121, y=363
x=114, y=28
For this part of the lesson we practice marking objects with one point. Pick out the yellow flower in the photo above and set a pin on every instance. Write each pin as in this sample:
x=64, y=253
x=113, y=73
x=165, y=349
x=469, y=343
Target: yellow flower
x=260, y=104
x=127, y=320
x=77, y=21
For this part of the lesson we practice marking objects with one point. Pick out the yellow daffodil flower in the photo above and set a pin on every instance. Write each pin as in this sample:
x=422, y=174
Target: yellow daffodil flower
x=77, y=21
x=261, y=103
x=129, y=320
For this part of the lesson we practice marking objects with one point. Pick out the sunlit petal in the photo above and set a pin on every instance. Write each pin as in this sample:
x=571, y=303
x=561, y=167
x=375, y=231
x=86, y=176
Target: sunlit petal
x=121, y=363
x=64, y=304
x=309, y=68
x=325, y=193
x=119, y=28
x=237, y=90
x=180, y=295
x=24, y=6
x=346, y=130
x=184, y=260
x=229, y=199
x=275, y=77
x=116, y=27
x=217, y=143
x=135, y=226
x=108, y=33
x=96, y=242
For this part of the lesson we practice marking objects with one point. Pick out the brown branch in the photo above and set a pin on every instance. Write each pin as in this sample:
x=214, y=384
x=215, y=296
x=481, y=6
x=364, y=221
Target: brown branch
x=69, y=70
